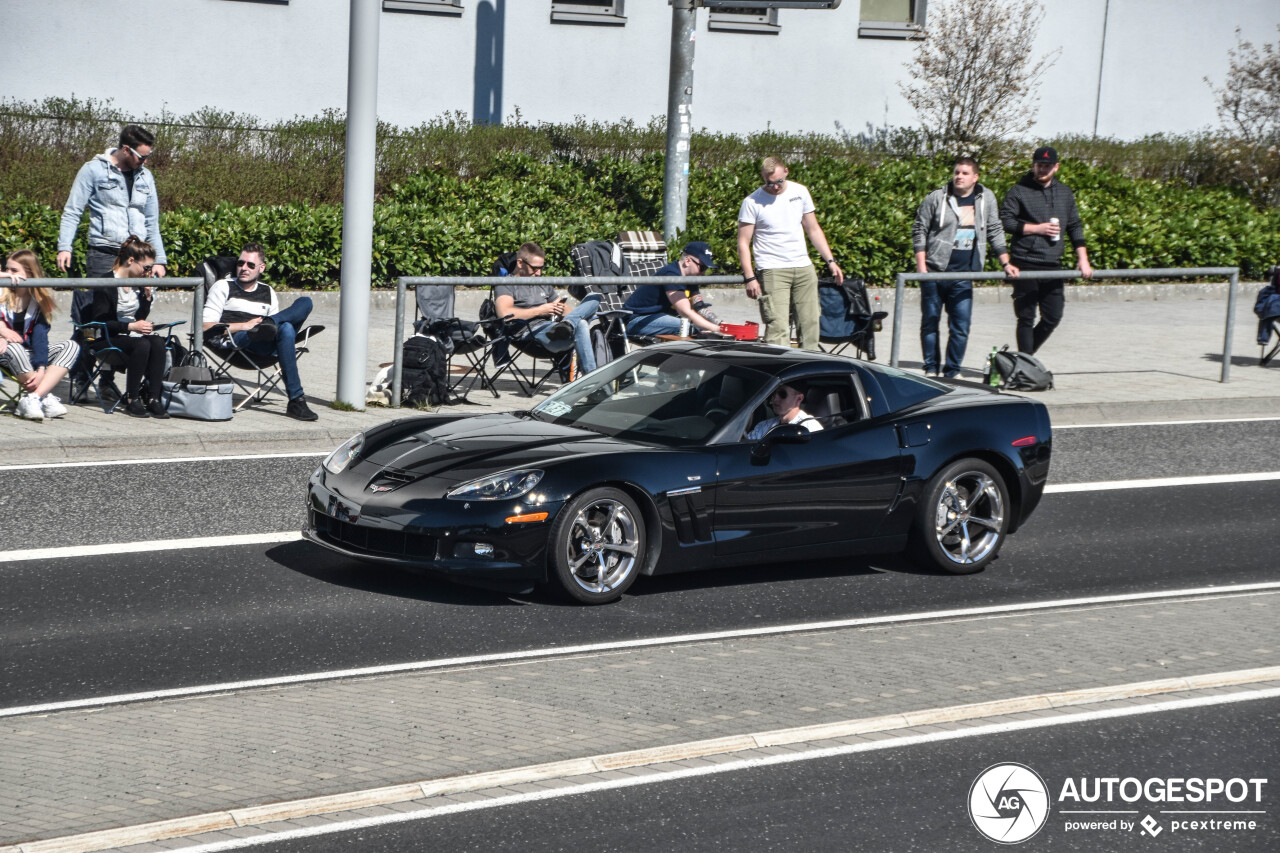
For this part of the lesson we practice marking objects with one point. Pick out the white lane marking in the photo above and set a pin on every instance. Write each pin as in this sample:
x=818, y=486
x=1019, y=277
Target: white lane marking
x=289, y=536
x=1162, y=482
x=1246, y=420
x=733, y=766
x=150, y=545
x=624, y=645
x=44, y=465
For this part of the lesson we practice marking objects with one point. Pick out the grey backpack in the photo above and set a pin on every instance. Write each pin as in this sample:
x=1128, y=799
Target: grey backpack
x=1019, y=371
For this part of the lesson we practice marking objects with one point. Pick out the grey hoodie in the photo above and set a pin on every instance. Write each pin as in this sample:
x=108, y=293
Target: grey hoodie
x=934, y=231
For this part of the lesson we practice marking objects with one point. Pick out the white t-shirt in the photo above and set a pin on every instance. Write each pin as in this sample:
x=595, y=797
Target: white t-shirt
x=778, y=242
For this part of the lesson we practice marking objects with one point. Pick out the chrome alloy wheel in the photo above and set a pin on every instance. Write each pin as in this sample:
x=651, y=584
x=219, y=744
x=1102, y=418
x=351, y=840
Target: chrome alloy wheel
x=969, y=517
x=602, y=546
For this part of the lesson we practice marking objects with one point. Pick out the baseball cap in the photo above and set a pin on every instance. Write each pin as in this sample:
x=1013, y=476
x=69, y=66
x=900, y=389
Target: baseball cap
x=702, y=252
x=1044, y=154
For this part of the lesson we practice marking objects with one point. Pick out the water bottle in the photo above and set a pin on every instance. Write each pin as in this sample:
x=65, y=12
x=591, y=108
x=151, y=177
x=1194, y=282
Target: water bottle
x=876, y=310
x=684, y=327
x=993, y=375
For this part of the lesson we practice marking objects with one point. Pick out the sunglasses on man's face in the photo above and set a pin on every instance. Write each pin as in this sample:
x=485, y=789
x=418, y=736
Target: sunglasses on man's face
x=777, y=183
x=539, y=268
x=134, y=152
x=248, y=264
x=780, y=394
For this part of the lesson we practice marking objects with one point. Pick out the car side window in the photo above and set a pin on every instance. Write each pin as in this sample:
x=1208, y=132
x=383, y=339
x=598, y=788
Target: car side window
x=834, y=400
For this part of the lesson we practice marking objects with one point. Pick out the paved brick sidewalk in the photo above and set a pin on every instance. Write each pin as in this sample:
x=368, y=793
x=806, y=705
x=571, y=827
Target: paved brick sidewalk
x=79, y=771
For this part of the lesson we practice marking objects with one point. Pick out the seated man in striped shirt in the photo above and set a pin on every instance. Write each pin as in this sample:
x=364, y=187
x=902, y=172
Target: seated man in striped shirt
x=256, y=324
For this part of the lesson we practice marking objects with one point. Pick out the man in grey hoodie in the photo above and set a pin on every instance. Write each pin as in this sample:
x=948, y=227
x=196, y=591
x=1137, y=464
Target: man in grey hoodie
x=952, y=228
x=120, y=193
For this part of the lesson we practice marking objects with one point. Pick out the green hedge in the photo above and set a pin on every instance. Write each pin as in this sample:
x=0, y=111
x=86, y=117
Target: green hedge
x=438, y=223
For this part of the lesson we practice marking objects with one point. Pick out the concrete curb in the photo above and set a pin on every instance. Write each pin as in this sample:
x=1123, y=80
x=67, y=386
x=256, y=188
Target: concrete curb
x=309, y=807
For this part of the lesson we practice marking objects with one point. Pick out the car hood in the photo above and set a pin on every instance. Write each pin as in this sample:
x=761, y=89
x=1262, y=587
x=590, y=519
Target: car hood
x=466, y=448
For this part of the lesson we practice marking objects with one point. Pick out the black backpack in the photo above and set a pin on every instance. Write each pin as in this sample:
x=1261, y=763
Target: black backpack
x=425, y=380
x=1019, y=371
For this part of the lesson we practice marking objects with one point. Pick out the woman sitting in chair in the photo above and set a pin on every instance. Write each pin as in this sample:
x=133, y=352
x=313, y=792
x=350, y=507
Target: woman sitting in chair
x=124, y=311
x=25, y=351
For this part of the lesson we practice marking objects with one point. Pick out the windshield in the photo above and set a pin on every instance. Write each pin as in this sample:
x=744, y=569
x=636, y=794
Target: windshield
x=655, y=397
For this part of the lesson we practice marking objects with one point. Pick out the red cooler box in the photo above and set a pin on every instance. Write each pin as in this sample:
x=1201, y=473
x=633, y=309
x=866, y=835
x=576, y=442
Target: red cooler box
x=742, y=331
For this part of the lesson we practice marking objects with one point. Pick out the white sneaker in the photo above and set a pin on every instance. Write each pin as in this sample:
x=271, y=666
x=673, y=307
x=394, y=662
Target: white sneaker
x=52, y=406
x=29, y=408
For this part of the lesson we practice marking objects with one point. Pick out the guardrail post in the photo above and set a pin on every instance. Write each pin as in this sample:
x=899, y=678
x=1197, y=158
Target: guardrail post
x=197, y=318
x=397, y=359
x=1233, y=281
x=898, y=293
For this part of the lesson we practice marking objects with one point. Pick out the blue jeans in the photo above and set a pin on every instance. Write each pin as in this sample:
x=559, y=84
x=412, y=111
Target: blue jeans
x=957, y=298
x=653, y=324
x=579, y=317
x=288, y=322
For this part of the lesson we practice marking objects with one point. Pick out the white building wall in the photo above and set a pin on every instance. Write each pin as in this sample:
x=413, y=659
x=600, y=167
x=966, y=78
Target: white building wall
x=277, y=61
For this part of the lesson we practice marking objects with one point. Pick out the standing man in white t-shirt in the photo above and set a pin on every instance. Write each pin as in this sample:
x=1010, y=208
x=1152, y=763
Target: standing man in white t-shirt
x=773, y=222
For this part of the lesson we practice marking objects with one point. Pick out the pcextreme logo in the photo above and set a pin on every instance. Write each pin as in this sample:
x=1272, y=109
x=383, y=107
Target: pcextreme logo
x=1008, y=803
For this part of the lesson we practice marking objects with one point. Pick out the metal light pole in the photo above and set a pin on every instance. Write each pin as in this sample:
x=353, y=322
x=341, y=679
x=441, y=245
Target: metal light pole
x=675, y=183
x=357, y=200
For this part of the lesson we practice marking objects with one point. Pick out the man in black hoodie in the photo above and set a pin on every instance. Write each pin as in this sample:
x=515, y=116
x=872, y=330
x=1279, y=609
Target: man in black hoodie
x=1036, y=211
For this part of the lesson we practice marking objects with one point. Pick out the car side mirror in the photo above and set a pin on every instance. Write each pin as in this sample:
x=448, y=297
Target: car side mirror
x=781, y=434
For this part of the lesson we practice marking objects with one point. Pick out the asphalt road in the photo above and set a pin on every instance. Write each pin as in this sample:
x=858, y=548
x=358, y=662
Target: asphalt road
x=910, y=797
x=90, y=626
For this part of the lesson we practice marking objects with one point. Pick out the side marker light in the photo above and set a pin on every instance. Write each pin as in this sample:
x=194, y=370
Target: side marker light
x=528, y=516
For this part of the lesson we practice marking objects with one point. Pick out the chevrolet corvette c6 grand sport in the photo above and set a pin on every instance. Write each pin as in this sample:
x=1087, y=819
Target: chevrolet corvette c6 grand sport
x=647, y=466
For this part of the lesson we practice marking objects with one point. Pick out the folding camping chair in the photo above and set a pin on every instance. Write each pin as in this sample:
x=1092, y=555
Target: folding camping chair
x=508, y=334
x=466, y=338
x=9, y=398
x=105, y=357
x=847, y=318
x=224, y=354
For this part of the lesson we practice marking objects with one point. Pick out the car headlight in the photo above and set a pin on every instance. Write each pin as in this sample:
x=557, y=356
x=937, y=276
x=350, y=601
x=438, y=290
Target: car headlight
x=496, y=487
x=337, y=461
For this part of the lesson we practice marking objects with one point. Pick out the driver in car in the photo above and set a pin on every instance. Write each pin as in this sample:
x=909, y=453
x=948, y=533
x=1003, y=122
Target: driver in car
x=785, y=402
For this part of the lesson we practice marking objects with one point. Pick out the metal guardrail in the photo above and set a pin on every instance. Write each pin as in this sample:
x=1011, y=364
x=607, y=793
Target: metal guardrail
x=167, y=283
x=1231, y=274
x=405, y=282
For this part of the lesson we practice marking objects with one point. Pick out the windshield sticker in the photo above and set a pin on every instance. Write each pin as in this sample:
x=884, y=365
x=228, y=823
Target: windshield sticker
x=555, y=408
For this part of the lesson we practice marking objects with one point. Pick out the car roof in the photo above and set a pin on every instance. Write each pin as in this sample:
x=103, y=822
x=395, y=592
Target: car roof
x=766, y=358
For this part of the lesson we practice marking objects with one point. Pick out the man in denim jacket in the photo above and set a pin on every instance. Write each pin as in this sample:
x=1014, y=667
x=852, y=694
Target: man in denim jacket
x=120, y=193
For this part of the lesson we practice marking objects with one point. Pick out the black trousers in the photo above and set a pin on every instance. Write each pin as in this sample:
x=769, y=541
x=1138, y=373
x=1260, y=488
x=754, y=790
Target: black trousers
x=1046, y=295
x=145, y=361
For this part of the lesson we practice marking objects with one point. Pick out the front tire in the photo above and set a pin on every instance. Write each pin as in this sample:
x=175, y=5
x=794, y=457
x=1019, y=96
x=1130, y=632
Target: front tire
x=597, y=546
x=962, y=519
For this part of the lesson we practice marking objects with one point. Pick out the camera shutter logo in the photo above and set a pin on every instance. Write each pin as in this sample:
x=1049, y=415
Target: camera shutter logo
x=1008, y=803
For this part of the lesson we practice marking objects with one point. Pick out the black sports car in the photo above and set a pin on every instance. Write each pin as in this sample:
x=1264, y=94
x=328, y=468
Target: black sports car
x=651, y=464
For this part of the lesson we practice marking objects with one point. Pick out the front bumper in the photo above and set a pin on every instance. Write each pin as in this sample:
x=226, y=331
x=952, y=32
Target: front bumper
x=467, y=540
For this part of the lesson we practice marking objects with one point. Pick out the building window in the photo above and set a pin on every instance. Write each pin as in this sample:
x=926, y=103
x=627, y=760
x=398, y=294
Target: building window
x=452, y=8
x=607, y=12
x=739, y=20
x=892, y=19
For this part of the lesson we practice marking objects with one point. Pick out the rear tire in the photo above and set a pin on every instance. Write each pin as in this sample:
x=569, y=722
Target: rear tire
x=962, y=519
x=597, y=546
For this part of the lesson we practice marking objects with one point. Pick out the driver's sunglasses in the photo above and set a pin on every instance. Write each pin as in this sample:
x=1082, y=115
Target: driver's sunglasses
x=250, y=264
x=776, y=183
x=134, y=152
x=780, y=393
